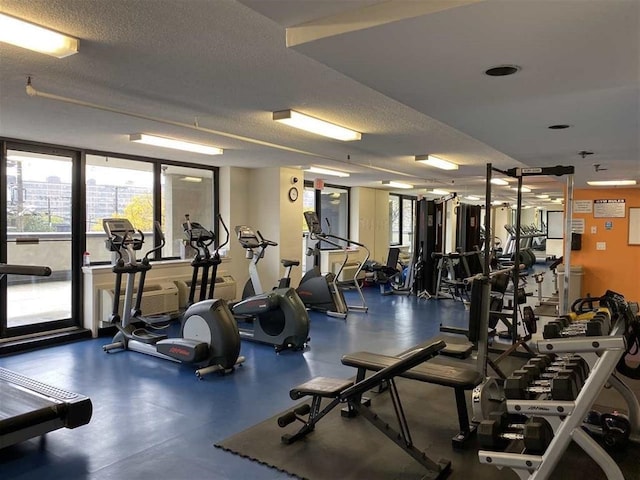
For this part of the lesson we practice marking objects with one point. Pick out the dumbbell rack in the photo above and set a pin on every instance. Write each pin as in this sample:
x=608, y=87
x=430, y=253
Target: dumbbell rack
x=566, y=417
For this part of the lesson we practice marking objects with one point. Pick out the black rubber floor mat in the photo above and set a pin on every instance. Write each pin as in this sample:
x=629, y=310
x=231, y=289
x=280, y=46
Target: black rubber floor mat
x=352, y=449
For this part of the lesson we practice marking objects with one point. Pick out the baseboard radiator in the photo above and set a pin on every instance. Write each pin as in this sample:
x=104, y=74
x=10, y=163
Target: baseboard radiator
x=348, y=272
x=157, y=298
x=225, y=289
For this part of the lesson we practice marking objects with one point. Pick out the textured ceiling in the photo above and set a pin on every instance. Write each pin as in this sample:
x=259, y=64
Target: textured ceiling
x=412, y=86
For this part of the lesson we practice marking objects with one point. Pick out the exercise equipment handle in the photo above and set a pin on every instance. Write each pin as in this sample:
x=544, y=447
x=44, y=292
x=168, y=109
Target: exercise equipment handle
x=26, y=270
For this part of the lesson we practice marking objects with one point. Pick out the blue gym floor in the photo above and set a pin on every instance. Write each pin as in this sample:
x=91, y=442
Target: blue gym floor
x=155, y=419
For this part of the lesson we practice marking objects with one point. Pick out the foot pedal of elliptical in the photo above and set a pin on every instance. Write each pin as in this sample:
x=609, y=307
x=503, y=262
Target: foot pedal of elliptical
x=145, y=336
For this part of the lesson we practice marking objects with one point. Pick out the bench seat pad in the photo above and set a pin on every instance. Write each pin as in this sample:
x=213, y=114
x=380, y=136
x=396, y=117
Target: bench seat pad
x=430, y=372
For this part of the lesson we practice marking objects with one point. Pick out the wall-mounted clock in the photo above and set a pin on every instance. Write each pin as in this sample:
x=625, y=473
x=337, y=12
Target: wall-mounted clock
x=293, y=194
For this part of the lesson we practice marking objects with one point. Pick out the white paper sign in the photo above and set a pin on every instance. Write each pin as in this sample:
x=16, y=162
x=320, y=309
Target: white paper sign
x=582, y=206
x=609, y=208
x=577, y=225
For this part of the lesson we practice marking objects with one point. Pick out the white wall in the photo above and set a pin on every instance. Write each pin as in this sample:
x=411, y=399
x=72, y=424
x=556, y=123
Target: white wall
x=234, y=207
x=369, y=220
x=259, y=198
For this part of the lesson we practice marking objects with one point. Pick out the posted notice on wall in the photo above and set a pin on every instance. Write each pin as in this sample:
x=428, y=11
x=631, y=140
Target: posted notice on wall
x=582, y=206
x=577, y=225
x=609, y=208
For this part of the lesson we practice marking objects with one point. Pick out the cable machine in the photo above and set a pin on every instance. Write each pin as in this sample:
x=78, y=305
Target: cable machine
x=519, y=174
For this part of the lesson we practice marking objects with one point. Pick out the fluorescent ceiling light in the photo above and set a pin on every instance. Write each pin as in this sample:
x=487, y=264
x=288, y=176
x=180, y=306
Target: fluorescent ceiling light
x=499, y=181
x=326, y=171
x=34, y=37
x=498, y=202
x=611, y=183
x=523, y=189
x=315, y=125
x=543, y=196
x=177, y=144
x=436, y=162
x=389, y=183
x=438, y=191
x=191, y=179
x=472, y=197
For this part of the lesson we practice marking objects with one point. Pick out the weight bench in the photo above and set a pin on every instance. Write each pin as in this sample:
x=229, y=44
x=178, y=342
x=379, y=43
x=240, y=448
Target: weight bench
x=457, y=377
x=350, y=392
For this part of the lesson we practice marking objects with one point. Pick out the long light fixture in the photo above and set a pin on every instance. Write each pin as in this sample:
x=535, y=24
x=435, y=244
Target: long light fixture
x=433, y=161
x=389, y=183
x=611, y=183
x=34, y=37
x=327, y=171
x=176, y=144
x=438, y=191
x=542, y=196
x=315, y=125
x=472, y=197
x=499, y=181
x=523, y=189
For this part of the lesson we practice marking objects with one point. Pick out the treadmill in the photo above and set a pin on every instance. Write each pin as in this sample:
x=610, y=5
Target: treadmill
x=29, y=408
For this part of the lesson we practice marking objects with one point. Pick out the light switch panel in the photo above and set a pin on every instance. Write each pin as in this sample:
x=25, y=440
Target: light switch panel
x=601, y=246
x=594, y=229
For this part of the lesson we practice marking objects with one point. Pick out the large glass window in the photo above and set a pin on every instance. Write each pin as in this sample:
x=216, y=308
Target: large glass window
x=185, y=190
x=408, y=221
x=394, y=219
x=401, y=220
x=117, y=188
x=38, y=232
x=334, y=211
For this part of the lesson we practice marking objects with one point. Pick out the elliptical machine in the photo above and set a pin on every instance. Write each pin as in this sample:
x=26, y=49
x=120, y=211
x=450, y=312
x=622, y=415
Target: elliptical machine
x=276, y=318
x=209, y=336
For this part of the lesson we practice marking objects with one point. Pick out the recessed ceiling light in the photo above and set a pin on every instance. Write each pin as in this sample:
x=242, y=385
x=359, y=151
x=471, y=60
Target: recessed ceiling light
x=502, y=70
x=542, y=196
x=559, y=126
x=439, y=191
x=523, y=189
x=472, y=197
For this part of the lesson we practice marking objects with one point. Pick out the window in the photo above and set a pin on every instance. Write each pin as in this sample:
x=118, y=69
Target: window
x=332, y=206
x=394, y=219
x=408, y=214
x=402, y=209
x=334, y=211
x=117, y=187
x=185, y=190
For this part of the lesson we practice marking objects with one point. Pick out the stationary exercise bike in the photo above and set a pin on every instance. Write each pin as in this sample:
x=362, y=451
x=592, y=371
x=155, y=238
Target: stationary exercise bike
x=209, y=334
x=275, y=318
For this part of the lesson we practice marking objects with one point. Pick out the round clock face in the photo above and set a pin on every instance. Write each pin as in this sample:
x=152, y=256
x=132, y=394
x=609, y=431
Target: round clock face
x=293, y=194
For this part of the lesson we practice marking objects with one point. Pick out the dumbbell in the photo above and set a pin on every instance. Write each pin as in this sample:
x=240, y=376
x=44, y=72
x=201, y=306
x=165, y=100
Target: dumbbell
x=541, y=368
x=597, y=326
x=563, y=385
x=294, y=415
x=536, y=433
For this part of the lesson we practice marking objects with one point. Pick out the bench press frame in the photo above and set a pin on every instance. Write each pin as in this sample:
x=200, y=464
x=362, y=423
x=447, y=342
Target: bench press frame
x=346, y=391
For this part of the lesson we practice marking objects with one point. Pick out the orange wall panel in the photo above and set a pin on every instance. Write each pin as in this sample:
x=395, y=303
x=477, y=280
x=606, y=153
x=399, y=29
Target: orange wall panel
x=618, y=267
